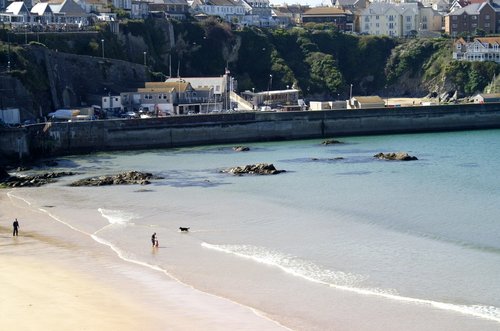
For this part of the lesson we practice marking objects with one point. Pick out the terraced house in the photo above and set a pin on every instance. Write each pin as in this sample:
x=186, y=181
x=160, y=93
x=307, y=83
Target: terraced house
x=343, y=19
x=228, y=10
x=395, y=20
x=476, y=16
x=480, y=49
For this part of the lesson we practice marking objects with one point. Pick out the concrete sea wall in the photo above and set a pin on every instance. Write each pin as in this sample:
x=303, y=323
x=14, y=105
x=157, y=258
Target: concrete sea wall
x=63, y=138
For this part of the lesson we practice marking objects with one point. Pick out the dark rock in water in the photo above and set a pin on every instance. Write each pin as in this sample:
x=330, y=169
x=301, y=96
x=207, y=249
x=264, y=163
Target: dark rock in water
x=331, y=142
x=131, y=177
x=241, y=149
x=255, y=169
x=33, y=181
x=399, y=156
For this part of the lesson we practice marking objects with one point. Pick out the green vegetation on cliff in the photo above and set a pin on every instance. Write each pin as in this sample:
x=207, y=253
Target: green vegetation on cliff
x=428, y=62
x=316, y=58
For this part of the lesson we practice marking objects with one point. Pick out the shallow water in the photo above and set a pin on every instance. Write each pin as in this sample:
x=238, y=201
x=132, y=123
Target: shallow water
x=330, y=244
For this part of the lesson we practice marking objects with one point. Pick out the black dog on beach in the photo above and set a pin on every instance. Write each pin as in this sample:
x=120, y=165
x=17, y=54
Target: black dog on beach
x=183, y=229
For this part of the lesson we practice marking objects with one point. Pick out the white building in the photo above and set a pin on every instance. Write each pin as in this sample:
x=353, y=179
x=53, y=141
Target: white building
x=396, y=20
x=228, y=10
x=480, y=49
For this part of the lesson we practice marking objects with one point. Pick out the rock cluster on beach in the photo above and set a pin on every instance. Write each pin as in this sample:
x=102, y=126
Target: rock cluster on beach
x=241, y=148
x=331, y=142
x=30, y=181
x=399, y=156
x=130, y=177
x=254, y=169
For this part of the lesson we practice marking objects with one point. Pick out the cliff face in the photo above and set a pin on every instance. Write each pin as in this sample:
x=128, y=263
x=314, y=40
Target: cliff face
x=52, y=80
x=13, y=94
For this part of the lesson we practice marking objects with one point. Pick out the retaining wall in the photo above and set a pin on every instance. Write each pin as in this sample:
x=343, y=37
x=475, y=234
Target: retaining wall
x=62, y=138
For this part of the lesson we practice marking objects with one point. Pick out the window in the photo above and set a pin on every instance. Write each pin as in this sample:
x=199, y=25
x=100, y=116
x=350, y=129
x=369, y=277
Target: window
x=377, y=25
x=454, y=18
x=424, y=26
x=474, y=17
x=367, y=27
x=391, y=25
x=424, y=18
x=391, y=18
x=487, y=17
x=377, y=17
x=408, y=19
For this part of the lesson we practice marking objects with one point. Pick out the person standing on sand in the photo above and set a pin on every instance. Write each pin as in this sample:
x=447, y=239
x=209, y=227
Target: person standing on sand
x=15, y=225
x=153, y=239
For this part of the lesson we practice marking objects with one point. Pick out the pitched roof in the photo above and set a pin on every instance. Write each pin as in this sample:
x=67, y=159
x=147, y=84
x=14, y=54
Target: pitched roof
x=472, y=9
x=380, y=8
x=377, y=8
x=488, y=40
x=158, y=86
x=221, y=3
x=460, y=41
x=291, y=9
x=41, y=8
x=345, y=3
x=169, y=2
x=68, y=7
x=489, y=95
x=16, y=8
x=369, y=99
x=324, y=11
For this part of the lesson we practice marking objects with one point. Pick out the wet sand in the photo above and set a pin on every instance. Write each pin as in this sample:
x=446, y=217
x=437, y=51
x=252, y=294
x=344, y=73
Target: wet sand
x=52, y=278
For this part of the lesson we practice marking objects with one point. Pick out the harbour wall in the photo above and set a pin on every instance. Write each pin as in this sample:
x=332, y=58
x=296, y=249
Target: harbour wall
x=65, y=138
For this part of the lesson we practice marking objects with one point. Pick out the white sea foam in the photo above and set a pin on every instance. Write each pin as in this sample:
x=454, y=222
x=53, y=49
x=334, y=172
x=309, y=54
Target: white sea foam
x=117, y=216
x=343, y=281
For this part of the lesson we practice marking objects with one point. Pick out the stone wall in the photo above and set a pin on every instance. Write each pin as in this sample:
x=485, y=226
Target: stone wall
x=13, y=94
x=63, y=138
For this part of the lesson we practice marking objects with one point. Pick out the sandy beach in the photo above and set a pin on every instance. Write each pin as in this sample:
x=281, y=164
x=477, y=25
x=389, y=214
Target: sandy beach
x=47, y=283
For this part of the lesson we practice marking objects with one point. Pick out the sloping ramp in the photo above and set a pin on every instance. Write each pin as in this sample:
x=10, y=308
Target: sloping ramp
x=242, y=103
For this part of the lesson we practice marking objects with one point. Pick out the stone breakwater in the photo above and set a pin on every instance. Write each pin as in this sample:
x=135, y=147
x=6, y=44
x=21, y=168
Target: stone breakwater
x=63, y=138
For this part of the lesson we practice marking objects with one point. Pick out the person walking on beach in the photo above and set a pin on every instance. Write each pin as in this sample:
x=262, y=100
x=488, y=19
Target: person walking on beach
x=15, y=225
x=153, y=239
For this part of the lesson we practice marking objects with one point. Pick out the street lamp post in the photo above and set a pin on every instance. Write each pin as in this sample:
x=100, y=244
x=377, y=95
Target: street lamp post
x=269, y=89
x=350, y=96
x=102, y=47
x=26, y=34
x=8, y=52
x=145, y=58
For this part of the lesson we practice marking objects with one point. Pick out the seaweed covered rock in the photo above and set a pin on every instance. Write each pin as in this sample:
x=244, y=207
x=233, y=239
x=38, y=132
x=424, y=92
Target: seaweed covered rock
x=33, y=181
x=331, y=142
x=255, y=169
x=241, y=148
x=399, y=156
x=130, y=177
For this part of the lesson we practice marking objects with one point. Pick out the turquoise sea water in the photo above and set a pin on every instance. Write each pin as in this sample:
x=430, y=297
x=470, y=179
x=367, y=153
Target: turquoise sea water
x=339, y=234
